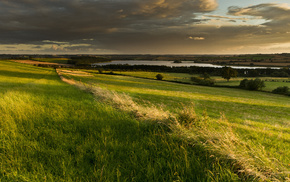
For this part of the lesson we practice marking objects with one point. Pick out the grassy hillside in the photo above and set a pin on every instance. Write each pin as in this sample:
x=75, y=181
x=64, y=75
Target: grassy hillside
x=259, y=120
x=52, y=131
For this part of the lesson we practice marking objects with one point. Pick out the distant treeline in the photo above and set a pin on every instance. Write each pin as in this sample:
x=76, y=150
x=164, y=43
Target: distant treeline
x=285, y=72
x=87, y=60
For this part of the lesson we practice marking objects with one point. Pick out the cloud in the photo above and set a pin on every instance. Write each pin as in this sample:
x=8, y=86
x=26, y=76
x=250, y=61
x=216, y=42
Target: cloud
x=100, y=22
x=276, y=15
x=196, y=38
x=225, y=17
x=66, y=20
x=173, y=8
x=139, y=26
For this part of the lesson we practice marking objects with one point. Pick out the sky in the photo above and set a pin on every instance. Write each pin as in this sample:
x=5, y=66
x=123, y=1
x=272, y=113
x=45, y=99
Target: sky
x=144, y=26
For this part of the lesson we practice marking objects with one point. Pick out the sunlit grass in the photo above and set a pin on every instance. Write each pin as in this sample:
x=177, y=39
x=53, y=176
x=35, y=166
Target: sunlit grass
x=52, y=131
x=257, y=118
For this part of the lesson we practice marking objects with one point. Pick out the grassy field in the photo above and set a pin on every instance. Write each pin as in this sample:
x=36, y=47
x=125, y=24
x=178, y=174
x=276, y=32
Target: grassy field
x=53, y=131
x=260, y=120
x=270, y=82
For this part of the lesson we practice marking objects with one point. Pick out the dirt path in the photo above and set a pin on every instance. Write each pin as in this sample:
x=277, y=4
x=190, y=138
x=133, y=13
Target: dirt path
x=74, y=73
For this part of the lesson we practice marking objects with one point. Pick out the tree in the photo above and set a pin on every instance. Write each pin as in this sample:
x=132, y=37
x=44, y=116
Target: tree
x=159, y=77
x=228, y=73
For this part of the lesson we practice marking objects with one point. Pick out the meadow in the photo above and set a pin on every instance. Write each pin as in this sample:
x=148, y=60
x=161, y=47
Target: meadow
x=259, y=120
x=270, y=82
x=117, y=128
x=53, y=131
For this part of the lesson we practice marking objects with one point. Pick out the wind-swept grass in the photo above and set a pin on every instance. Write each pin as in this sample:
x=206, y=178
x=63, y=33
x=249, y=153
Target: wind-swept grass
x=255, y=130
x=52, y=131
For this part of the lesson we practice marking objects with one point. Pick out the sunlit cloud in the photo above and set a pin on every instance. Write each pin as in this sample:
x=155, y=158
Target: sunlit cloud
x=196, y=38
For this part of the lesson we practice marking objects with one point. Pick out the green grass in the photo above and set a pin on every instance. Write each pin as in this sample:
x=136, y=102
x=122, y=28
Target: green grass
x=270, y=82
x=53, y=60
x=52, y=131
x=183, y=77
x=259, y=119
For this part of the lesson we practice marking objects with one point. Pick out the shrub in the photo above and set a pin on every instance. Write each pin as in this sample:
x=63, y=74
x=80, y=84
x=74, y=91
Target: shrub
x=243, y=83
x=206, y=81
x=282, y=90
x=205, y=75
x=256, y=84
x=159, y=77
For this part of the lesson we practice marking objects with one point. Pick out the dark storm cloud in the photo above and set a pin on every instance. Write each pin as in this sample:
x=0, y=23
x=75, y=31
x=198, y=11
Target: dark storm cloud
x=24, y=21
x=139, y=26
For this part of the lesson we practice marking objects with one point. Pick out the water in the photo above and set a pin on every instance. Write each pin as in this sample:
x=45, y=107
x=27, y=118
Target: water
x=172, y=64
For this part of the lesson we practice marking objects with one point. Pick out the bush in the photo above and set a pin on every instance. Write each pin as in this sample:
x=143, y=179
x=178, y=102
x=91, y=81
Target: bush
x=256, y=84
x=282, y=90
x=243, y=83
x=159, y=77
x=201, y=81
x=205, y=75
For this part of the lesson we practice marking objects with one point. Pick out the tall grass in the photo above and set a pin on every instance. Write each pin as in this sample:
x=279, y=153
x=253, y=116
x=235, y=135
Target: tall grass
x=52, y=131
x=215, y=136
x=256, y=142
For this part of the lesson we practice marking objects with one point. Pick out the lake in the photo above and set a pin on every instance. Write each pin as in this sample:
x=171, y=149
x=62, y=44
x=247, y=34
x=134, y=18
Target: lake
x=172, y=64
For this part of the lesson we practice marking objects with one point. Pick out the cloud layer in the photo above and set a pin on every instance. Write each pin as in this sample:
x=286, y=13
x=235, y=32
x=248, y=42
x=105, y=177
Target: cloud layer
x=138, y=26
x=66, y=19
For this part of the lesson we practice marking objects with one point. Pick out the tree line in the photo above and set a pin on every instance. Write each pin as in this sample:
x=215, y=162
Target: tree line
x=285, y=72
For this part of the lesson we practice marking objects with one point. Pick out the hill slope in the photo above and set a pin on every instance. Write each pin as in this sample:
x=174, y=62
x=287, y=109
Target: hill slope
x=255, y=124
x=52, y=131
